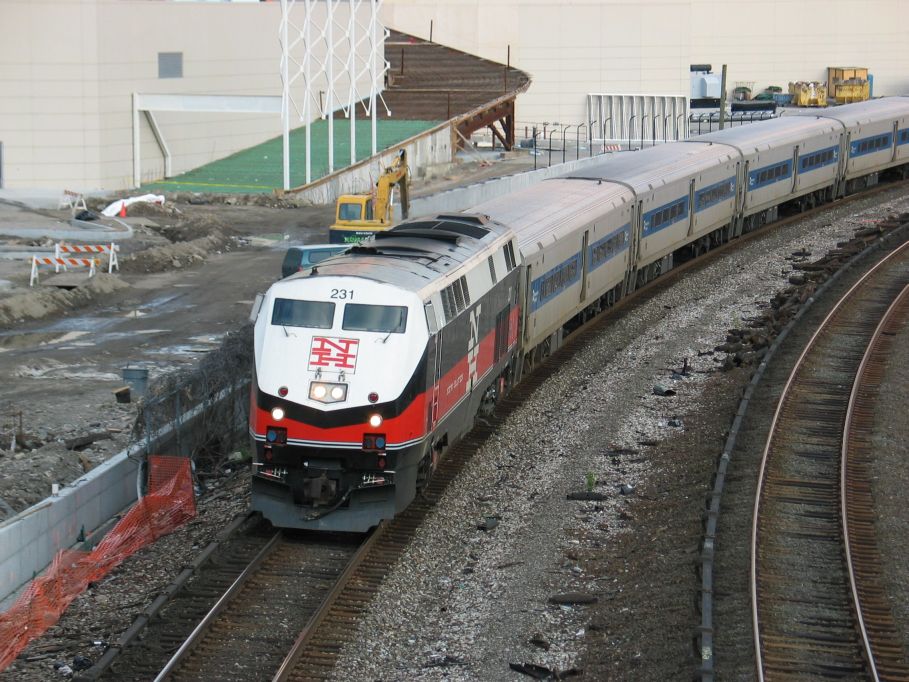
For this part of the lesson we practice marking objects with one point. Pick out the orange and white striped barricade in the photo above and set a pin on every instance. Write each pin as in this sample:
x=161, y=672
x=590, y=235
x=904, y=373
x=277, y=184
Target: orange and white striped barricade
x=74, y=201
x=89, y=263
x=111, y=250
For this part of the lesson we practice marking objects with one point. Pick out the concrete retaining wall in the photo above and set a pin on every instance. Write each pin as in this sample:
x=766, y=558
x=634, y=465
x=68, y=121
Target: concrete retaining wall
x=29, y=541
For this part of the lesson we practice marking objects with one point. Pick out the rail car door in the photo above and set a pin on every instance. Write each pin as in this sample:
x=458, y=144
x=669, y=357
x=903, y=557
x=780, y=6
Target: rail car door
x=691, y=208
x=585, y=265
x=896, y=127
x=795, y=169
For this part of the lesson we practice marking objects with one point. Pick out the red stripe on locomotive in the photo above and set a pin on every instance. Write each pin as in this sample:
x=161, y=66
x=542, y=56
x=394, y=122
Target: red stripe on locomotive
x=407, y=426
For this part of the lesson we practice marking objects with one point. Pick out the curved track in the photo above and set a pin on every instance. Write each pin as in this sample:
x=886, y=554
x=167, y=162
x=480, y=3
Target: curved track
x=803, y=611
x=880, y=635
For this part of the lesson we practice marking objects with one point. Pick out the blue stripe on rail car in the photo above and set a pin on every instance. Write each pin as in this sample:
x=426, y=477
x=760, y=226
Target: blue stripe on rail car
x=902, y=136
x=814, y=160
x=553, y=282
x=607, y=248
x=668, y=214
x=871, y=145
x=714, y=194
x=776, y=172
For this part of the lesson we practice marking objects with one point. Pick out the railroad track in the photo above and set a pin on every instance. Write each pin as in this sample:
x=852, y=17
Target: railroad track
x=806, y=586
x=250, y=628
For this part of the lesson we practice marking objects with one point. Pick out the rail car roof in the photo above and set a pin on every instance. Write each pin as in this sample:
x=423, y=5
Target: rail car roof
x=415, y=253
x=654, y=167
x=552, y=209
x=864, y=112
x=764, y=134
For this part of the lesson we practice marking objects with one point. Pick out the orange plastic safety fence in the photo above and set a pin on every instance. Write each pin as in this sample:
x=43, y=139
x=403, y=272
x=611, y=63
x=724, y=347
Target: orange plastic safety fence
x=168, y=505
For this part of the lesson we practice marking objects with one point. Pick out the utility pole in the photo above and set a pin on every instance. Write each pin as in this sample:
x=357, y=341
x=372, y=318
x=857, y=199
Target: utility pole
x=723, y=98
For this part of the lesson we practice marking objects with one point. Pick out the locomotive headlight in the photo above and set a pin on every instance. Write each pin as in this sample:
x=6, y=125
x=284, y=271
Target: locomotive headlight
x=277, y=413
x=375, y=420
x=327, y=392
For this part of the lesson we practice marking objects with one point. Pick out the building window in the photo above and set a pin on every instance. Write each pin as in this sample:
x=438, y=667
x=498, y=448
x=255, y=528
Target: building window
x=170, y=65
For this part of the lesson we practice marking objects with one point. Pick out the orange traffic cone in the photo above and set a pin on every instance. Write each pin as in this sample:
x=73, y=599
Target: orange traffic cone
x=122, y=213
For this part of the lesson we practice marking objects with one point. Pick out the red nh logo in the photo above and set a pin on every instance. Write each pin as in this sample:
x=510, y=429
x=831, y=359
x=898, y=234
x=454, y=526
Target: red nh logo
x=333, y=353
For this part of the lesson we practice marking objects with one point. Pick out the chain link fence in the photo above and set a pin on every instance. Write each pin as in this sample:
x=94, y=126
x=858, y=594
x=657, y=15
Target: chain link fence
x=200, y=413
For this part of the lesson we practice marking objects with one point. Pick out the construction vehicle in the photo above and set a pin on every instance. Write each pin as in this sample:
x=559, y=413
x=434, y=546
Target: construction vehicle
x=358, y=216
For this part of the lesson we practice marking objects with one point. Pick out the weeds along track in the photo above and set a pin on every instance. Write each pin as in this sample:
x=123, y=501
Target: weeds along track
x=803, y=599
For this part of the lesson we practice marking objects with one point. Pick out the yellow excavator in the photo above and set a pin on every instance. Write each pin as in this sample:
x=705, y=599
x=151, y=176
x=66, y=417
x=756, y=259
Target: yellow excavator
x=358, y=216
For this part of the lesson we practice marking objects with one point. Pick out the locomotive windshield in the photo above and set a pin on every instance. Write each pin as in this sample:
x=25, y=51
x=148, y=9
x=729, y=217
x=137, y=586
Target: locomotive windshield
x=374, y=318
x=292, y=313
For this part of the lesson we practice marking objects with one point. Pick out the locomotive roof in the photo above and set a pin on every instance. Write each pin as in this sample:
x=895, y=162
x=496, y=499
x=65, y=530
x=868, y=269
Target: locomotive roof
x=415, y=253
x=777, y=131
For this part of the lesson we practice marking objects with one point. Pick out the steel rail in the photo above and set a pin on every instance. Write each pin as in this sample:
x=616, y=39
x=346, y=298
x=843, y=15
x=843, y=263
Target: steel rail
x=859, y=400
x=343, y=580
x=219, y=606
x=762, y=477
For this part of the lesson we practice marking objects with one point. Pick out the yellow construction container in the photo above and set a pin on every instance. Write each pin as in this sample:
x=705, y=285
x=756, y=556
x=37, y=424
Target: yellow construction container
x=808, y=94
x=848, y=83
x=855, y=90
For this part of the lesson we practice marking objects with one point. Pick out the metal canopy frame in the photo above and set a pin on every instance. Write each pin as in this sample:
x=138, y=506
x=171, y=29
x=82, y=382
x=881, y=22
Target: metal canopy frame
x=225, y=104
x=310, y=54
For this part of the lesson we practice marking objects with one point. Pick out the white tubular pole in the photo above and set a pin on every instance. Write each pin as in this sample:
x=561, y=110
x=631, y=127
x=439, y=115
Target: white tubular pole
x=285, y=94
x=307, y=102
x=137, y=165
x=330, y=73
x=373, y=74
x=352, y=76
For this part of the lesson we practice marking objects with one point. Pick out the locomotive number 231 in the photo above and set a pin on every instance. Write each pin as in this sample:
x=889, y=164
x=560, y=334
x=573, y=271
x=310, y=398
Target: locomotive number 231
x=342, y=293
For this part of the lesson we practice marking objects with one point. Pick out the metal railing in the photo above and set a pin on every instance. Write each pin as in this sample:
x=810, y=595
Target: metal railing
x=699, y=124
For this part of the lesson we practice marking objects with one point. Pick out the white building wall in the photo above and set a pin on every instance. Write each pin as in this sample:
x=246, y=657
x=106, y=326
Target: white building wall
x=68, y=69
x=646, y=46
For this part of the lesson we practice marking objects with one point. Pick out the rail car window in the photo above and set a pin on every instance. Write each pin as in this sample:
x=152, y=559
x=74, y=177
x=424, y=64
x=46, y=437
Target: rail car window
x=608, y=247
x=714, y=194
x=359, y=317
x=293, y=313
x=871, y=144
x=555, y=281
x=770, y=174
x=903, y=137
x=816, y=160
x=666, y=215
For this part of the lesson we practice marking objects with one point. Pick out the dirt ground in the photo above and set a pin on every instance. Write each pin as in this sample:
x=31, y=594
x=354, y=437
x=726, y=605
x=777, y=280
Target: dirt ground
x=187, y=276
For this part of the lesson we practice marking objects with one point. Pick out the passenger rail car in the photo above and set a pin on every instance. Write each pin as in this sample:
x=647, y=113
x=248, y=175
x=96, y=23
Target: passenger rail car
x=374, y=362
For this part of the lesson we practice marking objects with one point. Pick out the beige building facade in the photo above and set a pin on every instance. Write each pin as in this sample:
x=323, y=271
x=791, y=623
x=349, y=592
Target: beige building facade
x=69, y=68
x=577, y=47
